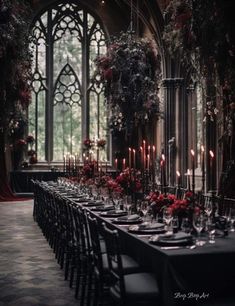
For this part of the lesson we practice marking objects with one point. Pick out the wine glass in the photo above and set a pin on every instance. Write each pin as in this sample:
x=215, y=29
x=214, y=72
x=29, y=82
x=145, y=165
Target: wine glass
x=175, y=224
x=199, y=224
x=116, y=198
x=208, y=208
x=144, y=209
x=230, y=218
x=128, y=204
x=211, y=231
x=185, y=225
x=232, y=214
x=167, y=217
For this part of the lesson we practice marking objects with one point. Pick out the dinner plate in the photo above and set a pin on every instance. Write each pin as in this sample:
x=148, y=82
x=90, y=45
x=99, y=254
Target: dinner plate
x=147, y=228
x=180, y=239
x=113, y=213
x=91, y=203
x=132, y=219
x=82, y=200
x=102, y=208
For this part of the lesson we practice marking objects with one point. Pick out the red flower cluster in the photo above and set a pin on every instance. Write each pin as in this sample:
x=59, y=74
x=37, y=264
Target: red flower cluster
x=101, y=143
x=179, y=207
x=102, y=181
x=31, y=152
x=21, y=142
x=33, y=159
x=128, y=181
x=114, y=186
x=88, y=170
x=158, y=200
x=88, y=143
x=30, y=139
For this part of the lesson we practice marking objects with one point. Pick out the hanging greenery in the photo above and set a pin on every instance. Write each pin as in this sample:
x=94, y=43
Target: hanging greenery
x=15, y=57
x=130, y=73
x=201, y=33
x=15, y=62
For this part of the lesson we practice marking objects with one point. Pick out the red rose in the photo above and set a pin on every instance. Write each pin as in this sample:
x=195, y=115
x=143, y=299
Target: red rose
x=33, y=159
x=30, y=139
x=108, y=74
x=21, y=142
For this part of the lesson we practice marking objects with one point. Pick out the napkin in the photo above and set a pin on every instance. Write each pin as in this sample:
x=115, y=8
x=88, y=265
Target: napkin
x=177, y=236
x=129, y=218
x=113, y=213
x=103, y=208
x=180, y=236
x=146, y=226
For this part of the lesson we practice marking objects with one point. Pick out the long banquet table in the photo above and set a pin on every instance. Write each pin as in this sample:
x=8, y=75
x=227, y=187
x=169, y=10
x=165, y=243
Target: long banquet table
x=185, y=276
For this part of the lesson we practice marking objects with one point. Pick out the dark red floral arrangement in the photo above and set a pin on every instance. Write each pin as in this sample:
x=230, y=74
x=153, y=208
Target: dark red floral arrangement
x=130, y=73
x=88, y=143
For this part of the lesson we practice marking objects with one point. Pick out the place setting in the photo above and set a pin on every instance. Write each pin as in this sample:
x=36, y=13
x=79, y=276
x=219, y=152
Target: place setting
x=92, y=203
x=147, y=228
x=113, y=213
x=166, y=240
x=103, y=208
x=128, y=219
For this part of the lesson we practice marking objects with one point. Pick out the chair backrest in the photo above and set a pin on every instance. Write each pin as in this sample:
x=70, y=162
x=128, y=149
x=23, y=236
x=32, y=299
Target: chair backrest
x=225, y=204
x=114, y=257
x=95, y=242
x=81, y=224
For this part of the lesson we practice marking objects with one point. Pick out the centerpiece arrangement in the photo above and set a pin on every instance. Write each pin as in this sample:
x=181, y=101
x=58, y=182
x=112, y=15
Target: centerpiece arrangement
x=130, y=73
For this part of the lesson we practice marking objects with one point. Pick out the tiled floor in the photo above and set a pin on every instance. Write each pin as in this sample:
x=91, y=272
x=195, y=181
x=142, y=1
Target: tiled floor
x=29, y=273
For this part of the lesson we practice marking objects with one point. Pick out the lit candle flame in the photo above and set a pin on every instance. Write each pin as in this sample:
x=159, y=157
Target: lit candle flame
x=163, y=157
x=192, y=152
x=202, y=149
x=211, y=154
x=178, y=173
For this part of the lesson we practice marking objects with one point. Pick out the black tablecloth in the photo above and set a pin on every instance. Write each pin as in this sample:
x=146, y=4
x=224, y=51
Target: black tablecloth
x=185, y=276
x=20, y=180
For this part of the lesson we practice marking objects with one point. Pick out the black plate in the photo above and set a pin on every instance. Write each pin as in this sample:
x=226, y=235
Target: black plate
x=147, y=229
x=132, y=219
x=113, y=213
x=90, y=204
x=102, y=208
x=82, y=200
x=178, y=239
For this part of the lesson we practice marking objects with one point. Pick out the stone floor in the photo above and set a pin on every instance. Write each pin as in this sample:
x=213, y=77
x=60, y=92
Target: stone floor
x=29, y=273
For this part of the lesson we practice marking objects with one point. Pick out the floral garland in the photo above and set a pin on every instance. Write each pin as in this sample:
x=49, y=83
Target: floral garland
x=201, y=34
x=130, y=73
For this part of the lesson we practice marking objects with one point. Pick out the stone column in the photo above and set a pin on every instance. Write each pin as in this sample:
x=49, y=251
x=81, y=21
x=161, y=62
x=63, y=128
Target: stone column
x=172, y=88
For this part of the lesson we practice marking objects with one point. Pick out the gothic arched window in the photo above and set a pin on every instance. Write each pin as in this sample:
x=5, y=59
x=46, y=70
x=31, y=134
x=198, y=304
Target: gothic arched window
x=67, y=106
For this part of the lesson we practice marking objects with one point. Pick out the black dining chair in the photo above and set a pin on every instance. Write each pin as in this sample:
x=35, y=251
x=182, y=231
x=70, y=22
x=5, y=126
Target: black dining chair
x=100, y=262
x=128, y=289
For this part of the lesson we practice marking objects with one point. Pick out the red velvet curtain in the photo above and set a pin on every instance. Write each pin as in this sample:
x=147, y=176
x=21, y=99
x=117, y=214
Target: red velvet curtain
x=6, y=193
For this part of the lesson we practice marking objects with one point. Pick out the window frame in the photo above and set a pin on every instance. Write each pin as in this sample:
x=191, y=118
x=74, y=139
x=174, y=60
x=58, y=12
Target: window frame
x=86, y=83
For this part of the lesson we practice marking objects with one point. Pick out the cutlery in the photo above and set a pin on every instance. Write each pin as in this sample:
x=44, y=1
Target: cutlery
x=191, y=247
x=144, y=236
